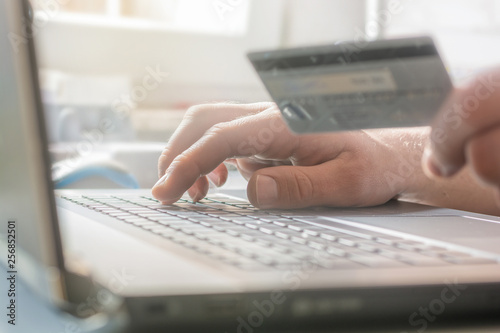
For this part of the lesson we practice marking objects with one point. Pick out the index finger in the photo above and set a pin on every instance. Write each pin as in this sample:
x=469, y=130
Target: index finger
x=197, y=121
x=469, y=111
x=242, y=137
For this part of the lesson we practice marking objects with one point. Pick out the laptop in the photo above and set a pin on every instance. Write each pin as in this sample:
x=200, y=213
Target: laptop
x=120, y=258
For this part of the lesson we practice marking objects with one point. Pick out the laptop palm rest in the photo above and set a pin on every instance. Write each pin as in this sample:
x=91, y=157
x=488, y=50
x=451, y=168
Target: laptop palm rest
x=481, y=233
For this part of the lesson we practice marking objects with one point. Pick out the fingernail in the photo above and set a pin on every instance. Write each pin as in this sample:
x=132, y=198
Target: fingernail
x=266, y=190
x=194, y=194
x=214, y=179
x=164, y=178
x=161, y=181
x=429, y=165
x=433, y=168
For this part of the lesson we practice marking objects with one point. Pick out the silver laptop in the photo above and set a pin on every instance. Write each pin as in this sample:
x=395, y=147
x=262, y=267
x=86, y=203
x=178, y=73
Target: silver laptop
x=120, y=257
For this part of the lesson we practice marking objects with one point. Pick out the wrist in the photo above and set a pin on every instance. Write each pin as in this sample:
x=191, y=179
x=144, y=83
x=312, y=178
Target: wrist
x=403, y=173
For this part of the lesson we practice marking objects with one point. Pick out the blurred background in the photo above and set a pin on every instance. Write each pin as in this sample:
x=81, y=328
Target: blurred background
x=118, y=75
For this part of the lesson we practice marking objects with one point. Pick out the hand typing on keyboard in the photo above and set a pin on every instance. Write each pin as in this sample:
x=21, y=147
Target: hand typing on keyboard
x=361, y=168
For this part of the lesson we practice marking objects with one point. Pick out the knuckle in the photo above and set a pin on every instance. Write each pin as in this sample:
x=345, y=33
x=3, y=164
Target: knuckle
x=220, y=130
x=302, y=187
x=182, y=159
x=197, y=111
x=164, y=154
x=163, y=161
x=188, y=164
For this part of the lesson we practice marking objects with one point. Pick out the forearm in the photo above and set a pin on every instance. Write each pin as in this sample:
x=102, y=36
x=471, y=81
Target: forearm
x=459, y=192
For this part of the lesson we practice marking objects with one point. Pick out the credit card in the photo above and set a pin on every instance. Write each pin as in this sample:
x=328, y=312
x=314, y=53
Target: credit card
x=356, y=85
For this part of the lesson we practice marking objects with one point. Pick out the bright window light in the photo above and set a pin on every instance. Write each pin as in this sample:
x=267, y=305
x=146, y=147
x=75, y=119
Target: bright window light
x=220, y=17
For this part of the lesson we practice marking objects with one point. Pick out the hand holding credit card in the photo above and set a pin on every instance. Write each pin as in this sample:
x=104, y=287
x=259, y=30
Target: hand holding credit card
x=358, y=85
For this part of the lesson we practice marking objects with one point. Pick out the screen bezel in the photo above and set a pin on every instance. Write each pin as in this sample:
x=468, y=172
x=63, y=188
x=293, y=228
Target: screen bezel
x=41, y=262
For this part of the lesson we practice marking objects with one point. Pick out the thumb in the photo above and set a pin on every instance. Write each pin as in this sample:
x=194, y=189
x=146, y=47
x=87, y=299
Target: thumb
x=287, y=187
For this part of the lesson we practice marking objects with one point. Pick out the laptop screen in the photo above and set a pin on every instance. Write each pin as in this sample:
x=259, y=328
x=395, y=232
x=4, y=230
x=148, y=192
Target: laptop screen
x=31, y=248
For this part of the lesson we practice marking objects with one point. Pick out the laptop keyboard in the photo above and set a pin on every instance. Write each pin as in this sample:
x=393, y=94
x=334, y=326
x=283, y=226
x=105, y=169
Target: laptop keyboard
x=236, y=233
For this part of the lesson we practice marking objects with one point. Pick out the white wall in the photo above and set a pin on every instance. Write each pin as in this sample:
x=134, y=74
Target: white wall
x=467, y=32
x=322, y=21
x=202, y=67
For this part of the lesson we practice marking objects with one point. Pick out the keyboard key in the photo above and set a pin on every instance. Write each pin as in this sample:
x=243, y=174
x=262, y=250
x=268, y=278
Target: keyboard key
x=137, y=210
x=166, y=232
x=253, y=238
x=316, y=245
x=136, y=219
x=373, y=261
x=313, y=231
x=336, y=251
x=119, y=213
x=263, y=242
x=299, y=240
x=159, y=229
x=339, y=264
x=328, y=237
x=125, y=217
x=421, y=261
x=281, y=223
x=346, y=242
x=284, y=234
x=150, y=225
x=368, y=247
x=387, y=240
x=266, y=230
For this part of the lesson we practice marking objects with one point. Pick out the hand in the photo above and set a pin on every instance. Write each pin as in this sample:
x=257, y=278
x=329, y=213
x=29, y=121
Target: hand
x=284, y=170
x=467, y=132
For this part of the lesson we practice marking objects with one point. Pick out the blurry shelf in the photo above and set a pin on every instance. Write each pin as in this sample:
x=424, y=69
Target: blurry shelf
x=155, y=125
x=129, y=23
x=102, y=20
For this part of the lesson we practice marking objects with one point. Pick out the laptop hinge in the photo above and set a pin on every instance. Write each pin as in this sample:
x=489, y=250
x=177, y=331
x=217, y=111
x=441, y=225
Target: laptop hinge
x=85, y=298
